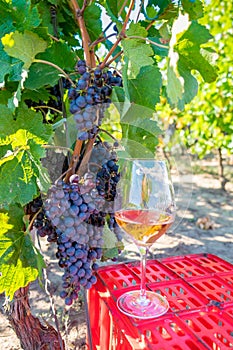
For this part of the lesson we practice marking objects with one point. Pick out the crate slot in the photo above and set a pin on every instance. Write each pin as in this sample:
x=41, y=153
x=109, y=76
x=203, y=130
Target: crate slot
x=180, y=295
x=214, y=328
x=213, y=263
x=155, y=272
x=115, y=278
x=185, y=267
x=213, y=288
x=169, y=334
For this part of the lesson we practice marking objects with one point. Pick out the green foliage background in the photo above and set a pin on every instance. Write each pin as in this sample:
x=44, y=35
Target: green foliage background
x=206, y=124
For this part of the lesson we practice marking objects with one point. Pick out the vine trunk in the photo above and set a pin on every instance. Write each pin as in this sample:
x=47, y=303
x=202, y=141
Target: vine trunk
x=32, y=334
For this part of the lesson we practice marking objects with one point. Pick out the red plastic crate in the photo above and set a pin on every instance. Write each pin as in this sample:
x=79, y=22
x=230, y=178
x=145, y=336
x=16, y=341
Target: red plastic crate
x=214, y=288
x=118, y=276
x=199, y=289
x=169, y=333
x=180, y=295
x=213, y=327
x=211, y=262
x=155, y=271
x=229, y=310
x=197, y=264
x=228, y=278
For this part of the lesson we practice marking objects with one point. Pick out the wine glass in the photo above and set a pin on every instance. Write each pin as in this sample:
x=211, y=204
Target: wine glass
x=144, y=209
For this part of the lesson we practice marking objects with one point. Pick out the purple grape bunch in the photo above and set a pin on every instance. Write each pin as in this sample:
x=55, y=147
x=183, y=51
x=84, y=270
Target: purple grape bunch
x=74, y=215
x=91, y=98
x=74, y=211
x=107, y=179
x=41, y=222
x=79, y=263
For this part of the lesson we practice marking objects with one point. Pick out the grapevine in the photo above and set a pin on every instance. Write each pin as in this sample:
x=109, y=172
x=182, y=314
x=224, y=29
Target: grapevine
x=74, y=212
x=69, y=214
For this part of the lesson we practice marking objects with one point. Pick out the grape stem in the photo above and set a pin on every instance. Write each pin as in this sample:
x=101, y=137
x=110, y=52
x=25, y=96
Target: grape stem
x=61, y=176
x=139, y=11
x=54, y=38
x=89, y=54
x=122, y=7
x=114, y=58
x=108, y=133
x=101, y=39
x=120, y=36
x=33, y=219
x=56, y=67
x=150, y=25
x=48, y=107
x=85, y=4
x=87, y=153
x=75, y=159
x=148, y=40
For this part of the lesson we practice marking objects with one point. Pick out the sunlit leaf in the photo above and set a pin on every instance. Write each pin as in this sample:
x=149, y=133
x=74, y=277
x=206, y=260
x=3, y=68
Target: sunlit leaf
x=24, y=46
x=19, y=259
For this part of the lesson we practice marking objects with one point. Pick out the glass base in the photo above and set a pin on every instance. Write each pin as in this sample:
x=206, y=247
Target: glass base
x=149, y=306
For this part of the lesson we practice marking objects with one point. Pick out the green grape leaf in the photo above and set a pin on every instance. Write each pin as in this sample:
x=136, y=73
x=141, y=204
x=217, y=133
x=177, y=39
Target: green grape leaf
x=111, y=245
x=20, y=261
x=41, y=74
x=194, y=8
x=92, y=18
x=110, y=253
x=36, y=95
x=188, y=47
x=139, y=131
x=140, y=88
x=137, y=141
x=119, y=100
x=118, y=94
x=174, y=86
x=21, y=148
x=190, y=84
x=113, y=8
x=161, y=4
x=135, y=112
x=24, y=46
x=5, y=124
x=43, y=7
x=5, y=60
x=5, y=64
x=170, y=12
x=109, y=238
x=5, y=95
x=60, y=54
x=137, y=52
x=54, y=2
x=160, y=38
x=25, y=15
x=160, y=9
x=16, y=70
x=33, y=122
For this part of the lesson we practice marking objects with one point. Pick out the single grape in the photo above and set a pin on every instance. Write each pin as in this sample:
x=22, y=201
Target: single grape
x=82, y=84
x=80, y=101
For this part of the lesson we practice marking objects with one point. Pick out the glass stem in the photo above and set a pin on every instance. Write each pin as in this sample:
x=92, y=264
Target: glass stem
x=143, y=252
